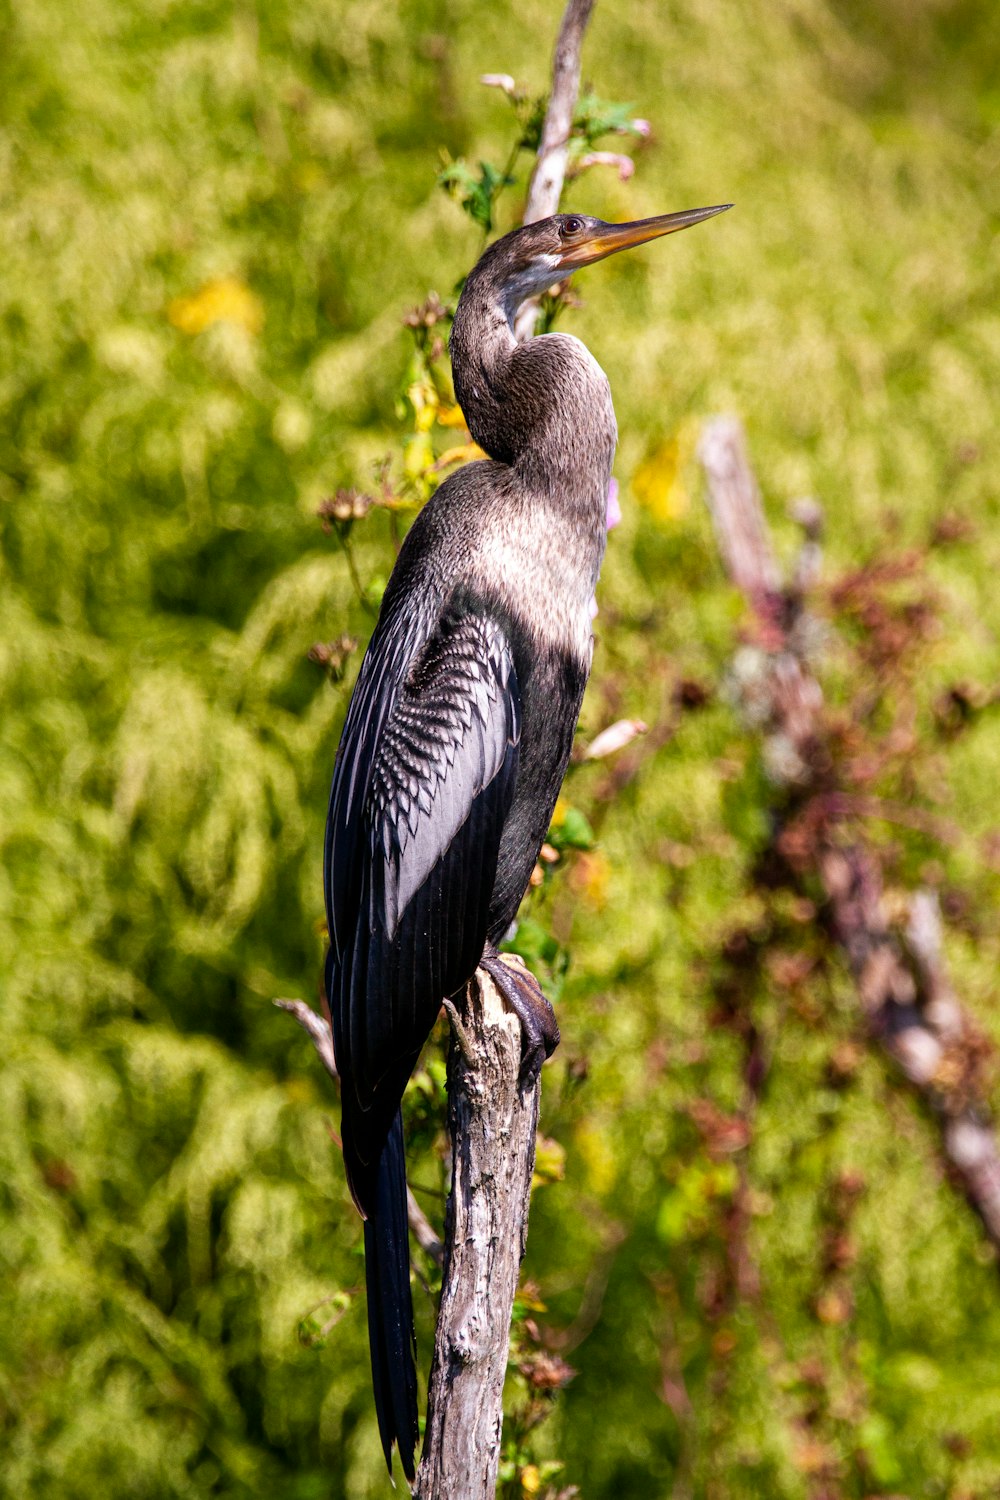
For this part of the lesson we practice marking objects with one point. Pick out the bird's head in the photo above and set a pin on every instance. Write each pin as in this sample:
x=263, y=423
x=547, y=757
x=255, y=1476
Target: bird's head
x=532, y=259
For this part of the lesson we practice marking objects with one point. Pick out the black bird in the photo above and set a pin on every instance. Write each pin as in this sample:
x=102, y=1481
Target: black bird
x=459, y=731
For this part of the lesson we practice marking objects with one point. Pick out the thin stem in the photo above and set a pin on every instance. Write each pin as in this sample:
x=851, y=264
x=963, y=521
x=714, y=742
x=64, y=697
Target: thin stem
x=352, y=569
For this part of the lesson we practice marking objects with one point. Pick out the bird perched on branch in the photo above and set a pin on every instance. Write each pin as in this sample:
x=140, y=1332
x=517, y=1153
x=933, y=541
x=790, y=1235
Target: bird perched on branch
x=459, y=731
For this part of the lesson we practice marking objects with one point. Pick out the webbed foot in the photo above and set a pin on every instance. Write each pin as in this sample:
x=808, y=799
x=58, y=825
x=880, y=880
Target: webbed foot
x=523, y=993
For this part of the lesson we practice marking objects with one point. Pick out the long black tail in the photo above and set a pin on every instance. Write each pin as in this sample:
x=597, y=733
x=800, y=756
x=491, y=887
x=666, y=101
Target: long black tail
x=390, y=1305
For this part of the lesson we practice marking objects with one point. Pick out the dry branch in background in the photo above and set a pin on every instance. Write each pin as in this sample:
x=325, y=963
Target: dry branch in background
x=907, y=999
x=549, y=174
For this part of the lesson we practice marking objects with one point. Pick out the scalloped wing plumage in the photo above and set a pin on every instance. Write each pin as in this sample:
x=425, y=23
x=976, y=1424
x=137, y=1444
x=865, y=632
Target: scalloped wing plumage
x=425, y=779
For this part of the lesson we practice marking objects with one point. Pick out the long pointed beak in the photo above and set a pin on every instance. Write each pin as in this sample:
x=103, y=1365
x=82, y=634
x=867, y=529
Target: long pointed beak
x=608, y=238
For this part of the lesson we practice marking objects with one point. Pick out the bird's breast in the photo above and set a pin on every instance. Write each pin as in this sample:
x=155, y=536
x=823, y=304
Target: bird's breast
x=543, y=568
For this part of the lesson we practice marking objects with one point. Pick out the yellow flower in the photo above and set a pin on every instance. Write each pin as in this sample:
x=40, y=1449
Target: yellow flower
x=597, y=1156
x=423, y=397
x=418, y=456
x=550, y=1162
x=658, y=482
x=531, y=1479
x=451, y=416
x=590, y=877
x=227, y=300
x=464, y=454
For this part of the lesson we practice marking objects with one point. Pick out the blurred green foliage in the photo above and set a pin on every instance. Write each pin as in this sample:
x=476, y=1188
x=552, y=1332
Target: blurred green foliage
x=213, y=217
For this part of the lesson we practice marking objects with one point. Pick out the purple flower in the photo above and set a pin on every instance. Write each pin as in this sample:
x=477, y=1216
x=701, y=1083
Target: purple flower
x=624, y=165
x=499, y=81
x=614, y=511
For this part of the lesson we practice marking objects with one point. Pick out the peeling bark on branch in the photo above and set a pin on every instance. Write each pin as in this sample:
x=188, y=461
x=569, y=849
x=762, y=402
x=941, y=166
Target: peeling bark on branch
x=492, y=1123
x=908, y=1001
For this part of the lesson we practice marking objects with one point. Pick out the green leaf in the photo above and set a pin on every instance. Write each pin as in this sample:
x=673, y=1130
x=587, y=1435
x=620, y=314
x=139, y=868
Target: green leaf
x=878, y=1442
x=572, y=831
x=595, y=117
x=476, y=194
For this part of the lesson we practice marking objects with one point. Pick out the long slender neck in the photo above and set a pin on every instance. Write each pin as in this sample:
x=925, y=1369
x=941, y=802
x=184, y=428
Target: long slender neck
x=543, y=407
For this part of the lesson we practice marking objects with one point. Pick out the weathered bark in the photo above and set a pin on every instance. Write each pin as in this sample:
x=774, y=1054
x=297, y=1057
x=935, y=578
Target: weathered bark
x=492, y=1123
x=909, y=1004
x=549, y=174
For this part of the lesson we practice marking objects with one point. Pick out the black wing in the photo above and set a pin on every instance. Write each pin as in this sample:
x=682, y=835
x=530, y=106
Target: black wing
x=424, y=782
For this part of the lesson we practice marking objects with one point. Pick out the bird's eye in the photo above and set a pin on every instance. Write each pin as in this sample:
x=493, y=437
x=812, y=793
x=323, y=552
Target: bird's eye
x=571, y=225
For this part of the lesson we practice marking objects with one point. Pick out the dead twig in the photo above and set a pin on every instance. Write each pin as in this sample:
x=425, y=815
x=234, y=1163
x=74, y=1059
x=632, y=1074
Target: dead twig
x=909, y=1003
x=317, y=1028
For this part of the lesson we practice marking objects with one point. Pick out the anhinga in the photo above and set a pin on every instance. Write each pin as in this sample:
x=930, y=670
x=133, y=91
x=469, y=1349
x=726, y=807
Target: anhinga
x=459, y=731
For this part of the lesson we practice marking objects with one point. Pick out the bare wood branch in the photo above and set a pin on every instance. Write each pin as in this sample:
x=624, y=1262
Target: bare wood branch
x=550, y=166
x=549, y=174
x=423, y=1230
x=317, y=1028
x=737, y=512
x=492, y=1123
x=458, y=1031
x=906, y=995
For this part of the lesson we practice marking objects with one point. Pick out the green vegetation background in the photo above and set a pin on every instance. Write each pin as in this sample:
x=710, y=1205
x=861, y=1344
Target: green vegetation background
x=171, y=1205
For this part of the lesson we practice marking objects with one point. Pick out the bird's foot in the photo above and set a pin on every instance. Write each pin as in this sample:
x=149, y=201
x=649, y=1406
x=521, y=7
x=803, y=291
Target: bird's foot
x=523, y=993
